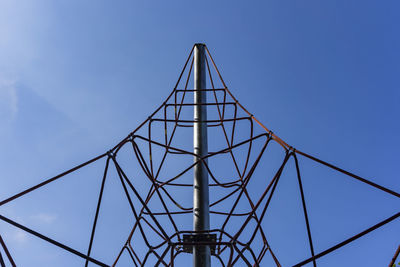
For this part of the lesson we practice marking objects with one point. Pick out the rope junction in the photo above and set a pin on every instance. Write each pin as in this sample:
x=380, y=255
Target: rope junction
x=159, y=234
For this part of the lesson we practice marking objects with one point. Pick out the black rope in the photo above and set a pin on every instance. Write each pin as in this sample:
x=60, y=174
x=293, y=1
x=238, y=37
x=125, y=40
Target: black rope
x=52, y=241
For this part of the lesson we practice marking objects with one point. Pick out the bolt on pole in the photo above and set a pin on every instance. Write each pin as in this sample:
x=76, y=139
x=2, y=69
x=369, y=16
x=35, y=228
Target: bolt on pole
x=201, y=212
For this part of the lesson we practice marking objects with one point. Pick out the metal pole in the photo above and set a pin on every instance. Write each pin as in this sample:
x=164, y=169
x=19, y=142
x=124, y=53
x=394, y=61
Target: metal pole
x=201, y=213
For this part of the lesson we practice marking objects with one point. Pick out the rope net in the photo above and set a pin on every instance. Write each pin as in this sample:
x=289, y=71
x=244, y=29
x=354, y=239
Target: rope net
x=154, y=166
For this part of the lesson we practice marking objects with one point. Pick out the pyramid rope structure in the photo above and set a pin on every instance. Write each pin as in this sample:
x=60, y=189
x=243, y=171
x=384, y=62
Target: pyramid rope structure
x=162, y=213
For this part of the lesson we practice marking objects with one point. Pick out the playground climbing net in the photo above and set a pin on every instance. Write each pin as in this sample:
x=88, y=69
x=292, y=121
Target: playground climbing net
x=159, y=191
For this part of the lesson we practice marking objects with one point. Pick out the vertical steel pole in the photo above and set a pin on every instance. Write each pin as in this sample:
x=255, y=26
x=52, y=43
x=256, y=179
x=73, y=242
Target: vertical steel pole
x=201, y=213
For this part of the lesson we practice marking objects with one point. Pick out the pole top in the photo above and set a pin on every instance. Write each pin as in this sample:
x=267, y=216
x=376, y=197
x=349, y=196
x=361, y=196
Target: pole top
x=199, y=44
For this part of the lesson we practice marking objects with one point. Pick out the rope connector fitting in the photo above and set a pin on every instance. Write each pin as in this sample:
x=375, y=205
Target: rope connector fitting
x=110, y=153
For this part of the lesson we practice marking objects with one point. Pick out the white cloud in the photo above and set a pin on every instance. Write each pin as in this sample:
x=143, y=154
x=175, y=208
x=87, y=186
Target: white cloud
x=20, y=236
x=8, y=99
x=45, y=218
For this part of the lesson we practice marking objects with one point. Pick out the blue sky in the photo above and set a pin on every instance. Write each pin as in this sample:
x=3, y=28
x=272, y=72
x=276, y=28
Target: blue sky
x=77, y=76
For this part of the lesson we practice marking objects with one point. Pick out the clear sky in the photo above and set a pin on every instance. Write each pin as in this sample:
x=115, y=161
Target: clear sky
x=77, y=76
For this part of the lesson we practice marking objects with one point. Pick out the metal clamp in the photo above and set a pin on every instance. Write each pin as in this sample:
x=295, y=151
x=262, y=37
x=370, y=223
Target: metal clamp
x=197, y=240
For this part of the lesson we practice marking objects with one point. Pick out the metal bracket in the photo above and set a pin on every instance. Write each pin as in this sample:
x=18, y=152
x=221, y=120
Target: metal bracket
x=197, y=239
